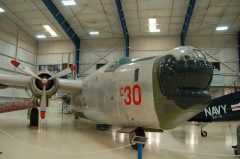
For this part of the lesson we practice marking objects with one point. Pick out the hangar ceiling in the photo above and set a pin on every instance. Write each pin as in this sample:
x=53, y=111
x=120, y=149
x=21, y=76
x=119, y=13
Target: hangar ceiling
x=101, y=15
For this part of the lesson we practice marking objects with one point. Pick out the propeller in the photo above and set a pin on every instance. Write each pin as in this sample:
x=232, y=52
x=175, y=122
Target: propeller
x=63, y=72
x=24, y=69
x=43, y=103
x=44, y=81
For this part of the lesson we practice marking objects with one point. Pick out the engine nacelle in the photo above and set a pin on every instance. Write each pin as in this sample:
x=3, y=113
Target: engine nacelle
x=36, y=85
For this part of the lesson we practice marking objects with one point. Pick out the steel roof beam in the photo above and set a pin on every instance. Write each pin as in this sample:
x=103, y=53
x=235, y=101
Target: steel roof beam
x=66, y=27
x=187, y=21
x=124, y=26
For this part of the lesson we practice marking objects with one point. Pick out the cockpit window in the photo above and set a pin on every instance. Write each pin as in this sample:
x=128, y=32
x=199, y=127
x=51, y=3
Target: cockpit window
x=113, y=66
x=199, y=54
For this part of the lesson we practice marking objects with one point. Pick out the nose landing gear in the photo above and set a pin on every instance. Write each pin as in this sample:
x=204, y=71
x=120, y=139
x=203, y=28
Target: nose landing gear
x=136, y=132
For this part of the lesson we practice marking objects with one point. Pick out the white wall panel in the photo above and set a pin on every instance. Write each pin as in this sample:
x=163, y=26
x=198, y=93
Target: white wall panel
x=161, y=43
x=92, y=52
x=11, y=37
x=65, y=58
x=5, y=72
x=26, y=56
x=20, y=93
x=99, y=51
x=7, y=48
x=27, y=42
x=6, y=63
x=71, y=57
x=224, y=49
x=88, y=58
x=8, y=92
x=142, y=54
x=55, y=47
x=49, y=59
x=30, y=66
x=152, y=46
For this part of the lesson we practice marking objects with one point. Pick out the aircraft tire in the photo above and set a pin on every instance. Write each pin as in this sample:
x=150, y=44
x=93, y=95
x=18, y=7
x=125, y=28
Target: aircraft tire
x=76, y=116
x=137, y=132
x=34, y=117
x=235, y=152
x=203, y=133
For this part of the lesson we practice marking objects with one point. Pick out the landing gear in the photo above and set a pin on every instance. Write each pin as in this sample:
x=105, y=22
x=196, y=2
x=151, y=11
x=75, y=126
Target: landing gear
x=137, y=132
x=203, y=132
x=34, y=116
x=76, y=115
x=235, y=149
x=103, y=126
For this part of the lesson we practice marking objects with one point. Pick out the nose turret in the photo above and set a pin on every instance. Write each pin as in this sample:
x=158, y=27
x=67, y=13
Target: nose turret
x=184, y=76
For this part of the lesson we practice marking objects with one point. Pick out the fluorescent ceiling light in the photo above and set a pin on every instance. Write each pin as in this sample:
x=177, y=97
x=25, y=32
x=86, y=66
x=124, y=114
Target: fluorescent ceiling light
x=153, y=25
x=41, y=36
x=2, y=10
x=50, y=30
x=68, y=2
x=94, y=33
x=222, y=28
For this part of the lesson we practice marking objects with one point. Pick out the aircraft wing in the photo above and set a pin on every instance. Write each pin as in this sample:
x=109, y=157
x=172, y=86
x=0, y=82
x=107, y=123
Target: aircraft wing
x=43, y=85
x=70, y=86
x=14, y=81
x=21, y=81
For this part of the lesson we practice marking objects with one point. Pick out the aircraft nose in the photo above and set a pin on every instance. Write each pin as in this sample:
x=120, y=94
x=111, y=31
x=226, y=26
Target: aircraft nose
x=185, y=77
x=193, y=74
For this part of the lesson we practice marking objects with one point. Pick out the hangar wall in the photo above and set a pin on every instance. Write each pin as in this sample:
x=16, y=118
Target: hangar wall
x=99, y=51
x=55, y=52
x=221, y=47
x=15, y=44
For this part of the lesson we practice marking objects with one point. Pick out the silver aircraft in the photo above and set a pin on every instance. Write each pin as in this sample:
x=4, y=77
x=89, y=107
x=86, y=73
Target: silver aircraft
x=147, y=94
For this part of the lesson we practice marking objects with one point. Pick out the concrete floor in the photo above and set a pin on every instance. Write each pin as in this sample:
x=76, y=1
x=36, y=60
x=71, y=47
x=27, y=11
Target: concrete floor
x=61, y=137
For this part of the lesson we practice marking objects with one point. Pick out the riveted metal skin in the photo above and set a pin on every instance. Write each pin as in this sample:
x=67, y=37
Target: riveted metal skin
x=105, y=99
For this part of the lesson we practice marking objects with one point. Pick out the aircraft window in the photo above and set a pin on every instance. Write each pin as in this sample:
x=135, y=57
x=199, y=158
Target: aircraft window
x=136, y=74
x=112, y=67
x=199, y=54
x=124, y=60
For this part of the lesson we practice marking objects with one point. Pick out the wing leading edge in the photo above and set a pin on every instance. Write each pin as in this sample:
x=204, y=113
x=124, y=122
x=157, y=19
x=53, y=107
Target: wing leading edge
x=20, y=81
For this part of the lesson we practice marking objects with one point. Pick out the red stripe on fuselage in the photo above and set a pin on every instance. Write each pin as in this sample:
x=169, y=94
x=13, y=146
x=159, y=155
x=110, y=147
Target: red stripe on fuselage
x=235, y=107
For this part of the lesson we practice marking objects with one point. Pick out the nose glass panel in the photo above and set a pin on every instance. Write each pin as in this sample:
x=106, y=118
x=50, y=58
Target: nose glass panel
x=185, y=81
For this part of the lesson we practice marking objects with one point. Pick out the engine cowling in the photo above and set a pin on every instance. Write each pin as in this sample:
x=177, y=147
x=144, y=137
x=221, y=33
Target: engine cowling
x=36, y=85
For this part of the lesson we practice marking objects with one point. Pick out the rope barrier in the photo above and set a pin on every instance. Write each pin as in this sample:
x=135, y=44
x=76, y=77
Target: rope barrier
x=108, y=150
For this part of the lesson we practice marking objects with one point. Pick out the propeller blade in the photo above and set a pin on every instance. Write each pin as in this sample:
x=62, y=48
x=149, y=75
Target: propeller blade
x=43, y=103
x=24, y=69
x=64, y=72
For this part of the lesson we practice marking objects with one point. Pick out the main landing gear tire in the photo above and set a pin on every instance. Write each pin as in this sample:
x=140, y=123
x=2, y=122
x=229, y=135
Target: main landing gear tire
x=203, y=133
x=137, y=132
x=76, y=116
x=34, y=117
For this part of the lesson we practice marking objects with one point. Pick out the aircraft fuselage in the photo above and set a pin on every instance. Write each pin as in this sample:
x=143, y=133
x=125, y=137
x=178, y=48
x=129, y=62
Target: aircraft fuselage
x=224, y=108
x=154, y=92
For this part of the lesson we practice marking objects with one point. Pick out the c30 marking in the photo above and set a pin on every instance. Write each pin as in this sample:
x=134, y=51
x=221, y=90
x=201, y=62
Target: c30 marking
x=131, y=94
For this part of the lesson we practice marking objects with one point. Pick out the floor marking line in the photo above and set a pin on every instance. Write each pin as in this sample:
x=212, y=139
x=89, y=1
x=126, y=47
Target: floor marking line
x=59, y=152
x=107, y=150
